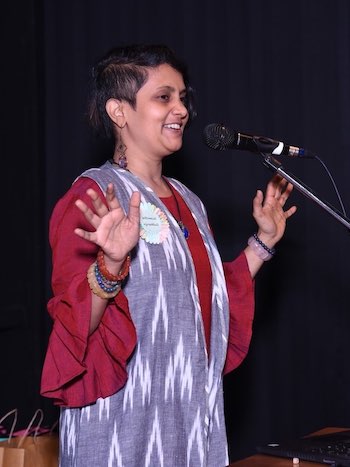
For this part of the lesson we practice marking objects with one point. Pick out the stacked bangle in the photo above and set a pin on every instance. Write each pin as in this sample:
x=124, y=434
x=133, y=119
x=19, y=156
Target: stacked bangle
x=108, y=275
x=99, y=285
x=103, y=283
x=106, y=285
x=260, y=249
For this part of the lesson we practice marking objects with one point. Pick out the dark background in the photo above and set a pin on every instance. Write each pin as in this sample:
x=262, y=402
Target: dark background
x=272, y=67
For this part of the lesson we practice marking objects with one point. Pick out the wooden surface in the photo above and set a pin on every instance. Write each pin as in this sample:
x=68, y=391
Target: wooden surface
x=262, y=460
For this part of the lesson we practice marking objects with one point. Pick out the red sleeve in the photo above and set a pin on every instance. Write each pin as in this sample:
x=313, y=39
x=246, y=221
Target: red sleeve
x=79, y=368
x=240, y=287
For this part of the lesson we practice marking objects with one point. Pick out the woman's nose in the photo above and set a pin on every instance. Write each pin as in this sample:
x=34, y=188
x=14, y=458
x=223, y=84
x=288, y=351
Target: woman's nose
x=180, y=109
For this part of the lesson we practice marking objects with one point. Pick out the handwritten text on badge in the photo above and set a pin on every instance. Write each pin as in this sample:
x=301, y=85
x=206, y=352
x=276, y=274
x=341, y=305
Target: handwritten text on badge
x=154, y=225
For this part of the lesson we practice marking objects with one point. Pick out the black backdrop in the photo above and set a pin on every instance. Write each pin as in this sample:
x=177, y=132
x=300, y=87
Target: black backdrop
x=274, y=68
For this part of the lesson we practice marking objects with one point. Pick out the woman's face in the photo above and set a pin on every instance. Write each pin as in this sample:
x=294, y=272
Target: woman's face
x=154, y=129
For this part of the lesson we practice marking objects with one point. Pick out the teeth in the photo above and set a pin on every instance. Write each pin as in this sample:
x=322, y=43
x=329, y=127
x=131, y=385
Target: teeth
x=174, y=126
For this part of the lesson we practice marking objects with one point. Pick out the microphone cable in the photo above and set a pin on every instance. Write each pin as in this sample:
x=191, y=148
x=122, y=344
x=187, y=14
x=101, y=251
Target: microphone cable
x=331, y=179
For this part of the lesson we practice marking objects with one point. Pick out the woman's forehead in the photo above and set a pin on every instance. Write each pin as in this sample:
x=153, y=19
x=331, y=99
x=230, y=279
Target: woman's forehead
x=164, y=76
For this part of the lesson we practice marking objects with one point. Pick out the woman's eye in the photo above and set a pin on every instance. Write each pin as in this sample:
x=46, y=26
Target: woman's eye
x=164, y=97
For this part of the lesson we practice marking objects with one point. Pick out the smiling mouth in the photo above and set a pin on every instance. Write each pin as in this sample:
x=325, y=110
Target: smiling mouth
x=173, y=126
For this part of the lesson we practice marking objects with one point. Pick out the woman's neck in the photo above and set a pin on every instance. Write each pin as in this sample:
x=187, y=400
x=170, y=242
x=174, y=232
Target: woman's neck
x=150, y=172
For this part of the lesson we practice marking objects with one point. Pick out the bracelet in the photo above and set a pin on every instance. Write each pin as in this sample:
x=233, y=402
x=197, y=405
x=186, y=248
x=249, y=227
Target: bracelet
x=260, y=249
x=95, y=286
x=271, y=251
x=108, y=275
x=107, y=286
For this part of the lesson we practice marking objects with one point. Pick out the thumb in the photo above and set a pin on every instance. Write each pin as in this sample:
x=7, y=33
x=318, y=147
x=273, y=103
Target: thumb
x=134, y=207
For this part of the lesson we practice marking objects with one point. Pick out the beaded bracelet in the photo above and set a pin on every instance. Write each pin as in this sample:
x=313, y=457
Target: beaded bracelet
x=260, y=249
x=96, y=288
x=271, y=251
x=108, y=275
x=106, y=285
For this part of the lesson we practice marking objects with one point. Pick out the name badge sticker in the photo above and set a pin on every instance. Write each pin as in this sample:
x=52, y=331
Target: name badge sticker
x=154, y=225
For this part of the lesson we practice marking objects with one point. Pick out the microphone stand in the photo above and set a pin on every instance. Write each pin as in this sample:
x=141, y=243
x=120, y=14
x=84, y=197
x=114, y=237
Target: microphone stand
x=276, y=166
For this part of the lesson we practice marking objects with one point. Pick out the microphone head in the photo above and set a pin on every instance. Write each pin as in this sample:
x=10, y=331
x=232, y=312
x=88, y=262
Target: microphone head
x=218, y=136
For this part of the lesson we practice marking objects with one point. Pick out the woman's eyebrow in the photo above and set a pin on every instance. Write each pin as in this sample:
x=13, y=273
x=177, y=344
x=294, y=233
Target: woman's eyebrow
x=172, y=89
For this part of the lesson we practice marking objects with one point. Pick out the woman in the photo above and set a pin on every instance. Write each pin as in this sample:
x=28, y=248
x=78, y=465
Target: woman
x=146, y=318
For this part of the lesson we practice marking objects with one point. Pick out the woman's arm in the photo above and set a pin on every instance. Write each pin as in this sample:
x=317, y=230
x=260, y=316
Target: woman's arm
x=271, y=220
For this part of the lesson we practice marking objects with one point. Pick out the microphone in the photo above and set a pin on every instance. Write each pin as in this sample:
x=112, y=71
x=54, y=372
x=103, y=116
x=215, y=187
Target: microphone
x=218, y=136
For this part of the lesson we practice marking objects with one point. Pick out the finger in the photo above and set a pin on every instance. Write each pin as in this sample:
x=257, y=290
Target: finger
x=280, y=187
x=288, y=189
x=112, y=200
x=286, y=193
x=290, y=212
x=90, y=216
x=283, y=184
x=90, y=236
x=273, y=186
x=276, y=178
x=100, y=207
x=134, y=207
x=110, y=191
x=257, y=202
x=270, y=189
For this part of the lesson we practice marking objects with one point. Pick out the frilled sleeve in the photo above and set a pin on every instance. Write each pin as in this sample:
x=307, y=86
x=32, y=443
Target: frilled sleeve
x=240, y=287
x=79, y=368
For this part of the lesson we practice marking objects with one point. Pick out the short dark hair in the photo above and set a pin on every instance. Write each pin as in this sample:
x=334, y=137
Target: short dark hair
x=122, y=72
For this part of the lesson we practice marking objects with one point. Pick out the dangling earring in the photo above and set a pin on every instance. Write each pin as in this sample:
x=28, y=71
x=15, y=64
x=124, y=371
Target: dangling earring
x=121, y=157
x=121, y=149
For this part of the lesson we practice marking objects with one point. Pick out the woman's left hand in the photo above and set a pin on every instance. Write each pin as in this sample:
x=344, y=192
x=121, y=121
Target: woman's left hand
x=268, y=210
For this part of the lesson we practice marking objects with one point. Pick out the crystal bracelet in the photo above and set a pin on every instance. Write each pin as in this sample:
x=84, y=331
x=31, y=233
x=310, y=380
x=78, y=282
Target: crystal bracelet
x=271, y=251
x=260, y=249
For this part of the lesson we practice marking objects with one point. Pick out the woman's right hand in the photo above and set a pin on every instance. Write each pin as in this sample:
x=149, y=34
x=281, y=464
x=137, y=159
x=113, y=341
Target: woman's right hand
x=115, y=232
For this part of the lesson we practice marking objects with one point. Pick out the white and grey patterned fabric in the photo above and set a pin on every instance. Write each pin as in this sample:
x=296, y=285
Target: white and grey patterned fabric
x=170, y=412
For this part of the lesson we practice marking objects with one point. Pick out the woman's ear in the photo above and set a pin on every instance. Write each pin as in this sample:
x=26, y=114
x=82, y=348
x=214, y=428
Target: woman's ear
x=114, y=109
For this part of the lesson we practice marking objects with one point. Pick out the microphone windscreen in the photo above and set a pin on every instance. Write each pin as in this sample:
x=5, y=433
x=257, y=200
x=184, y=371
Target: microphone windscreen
x=217, y=136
